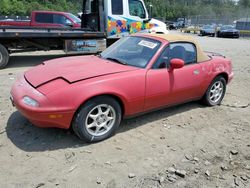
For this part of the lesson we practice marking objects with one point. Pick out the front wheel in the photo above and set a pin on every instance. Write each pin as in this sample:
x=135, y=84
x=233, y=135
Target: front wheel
x=98, y=119
x=215, y=92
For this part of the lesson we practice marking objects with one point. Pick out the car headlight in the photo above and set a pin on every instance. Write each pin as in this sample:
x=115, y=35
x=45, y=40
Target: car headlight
x=30, y=102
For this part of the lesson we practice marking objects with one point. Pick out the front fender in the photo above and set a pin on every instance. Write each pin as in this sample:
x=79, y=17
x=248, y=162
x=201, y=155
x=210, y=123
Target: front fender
x=130, y=89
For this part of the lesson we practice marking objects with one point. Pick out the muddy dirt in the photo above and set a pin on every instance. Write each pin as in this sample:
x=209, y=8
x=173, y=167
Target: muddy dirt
x=190, y=145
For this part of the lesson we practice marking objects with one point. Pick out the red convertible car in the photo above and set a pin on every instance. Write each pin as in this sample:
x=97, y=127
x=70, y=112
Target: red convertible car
x=137, y=74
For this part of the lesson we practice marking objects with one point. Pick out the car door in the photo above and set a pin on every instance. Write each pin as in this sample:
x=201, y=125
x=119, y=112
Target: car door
x=136, y=15
x=125, y=17
x=167, y=87
x=62, y=21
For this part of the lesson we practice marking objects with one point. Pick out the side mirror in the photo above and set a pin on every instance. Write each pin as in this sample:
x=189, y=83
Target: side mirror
x=147, y=20
x=68, y=23
x=176, y=63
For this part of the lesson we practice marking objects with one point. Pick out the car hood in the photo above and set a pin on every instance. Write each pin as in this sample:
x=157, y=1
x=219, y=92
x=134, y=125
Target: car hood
x=73, y=69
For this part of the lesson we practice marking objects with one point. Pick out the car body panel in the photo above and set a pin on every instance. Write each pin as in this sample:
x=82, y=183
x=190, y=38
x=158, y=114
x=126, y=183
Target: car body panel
x=62, y=86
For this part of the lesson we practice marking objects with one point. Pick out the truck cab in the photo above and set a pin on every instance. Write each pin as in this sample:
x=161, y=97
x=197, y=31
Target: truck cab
x=119, y=18
x=46, y=19
x=54, y=19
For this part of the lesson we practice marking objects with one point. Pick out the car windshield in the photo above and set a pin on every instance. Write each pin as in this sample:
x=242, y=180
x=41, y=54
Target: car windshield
x=208, y=27
x=133, y=51
x=227, y=27
x=74, y=18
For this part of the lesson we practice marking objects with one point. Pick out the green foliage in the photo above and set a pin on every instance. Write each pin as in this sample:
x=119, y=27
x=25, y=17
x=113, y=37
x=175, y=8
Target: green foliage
x=172, y=9
x=24, y=7
x=168, y=9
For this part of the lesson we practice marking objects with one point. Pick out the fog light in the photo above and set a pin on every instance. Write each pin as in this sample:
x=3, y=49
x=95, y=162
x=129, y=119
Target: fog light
x=30, y=102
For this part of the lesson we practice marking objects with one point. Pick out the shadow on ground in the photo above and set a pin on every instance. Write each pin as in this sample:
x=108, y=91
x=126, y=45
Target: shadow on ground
x=30, y=138
x=30, y=60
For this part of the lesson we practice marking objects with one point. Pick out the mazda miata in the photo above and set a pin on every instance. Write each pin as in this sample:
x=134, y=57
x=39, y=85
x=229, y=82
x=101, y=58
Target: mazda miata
x=135, y=75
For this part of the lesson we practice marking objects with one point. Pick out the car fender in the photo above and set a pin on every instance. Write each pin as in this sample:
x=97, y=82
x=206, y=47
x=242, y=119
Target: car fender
x=220, y=66
x=128, y=87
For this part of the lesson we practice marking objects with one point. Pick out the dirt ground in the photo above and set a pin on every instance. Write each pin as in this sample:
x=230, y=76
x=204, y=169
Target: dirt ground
x=185, y=146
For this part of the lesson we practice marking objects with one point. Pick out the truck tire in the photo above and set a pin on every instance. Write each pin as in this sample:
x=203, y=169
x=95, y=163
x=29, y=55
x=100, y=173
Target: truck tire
x=4, y=56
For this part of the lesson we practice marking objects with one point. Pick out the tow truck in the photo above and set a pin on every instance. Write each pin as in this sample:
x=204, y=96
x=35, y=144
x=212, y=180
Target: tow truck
x=102, y=23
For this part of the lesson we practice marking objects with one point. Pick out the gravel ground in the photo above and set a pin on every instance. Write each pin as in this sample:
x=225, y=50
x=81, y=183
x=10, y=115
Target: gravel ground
x=185, y=146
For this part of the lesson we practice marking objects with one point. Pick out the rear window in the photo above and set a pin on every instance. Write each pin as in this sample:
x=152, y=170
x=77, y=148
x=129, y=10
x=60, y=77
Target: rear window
x=117, y=7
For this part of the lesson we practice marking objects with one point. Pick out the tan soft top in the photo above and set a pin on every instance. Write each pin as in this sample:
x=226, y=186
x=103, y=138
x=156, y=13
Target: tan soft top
x=201, y=56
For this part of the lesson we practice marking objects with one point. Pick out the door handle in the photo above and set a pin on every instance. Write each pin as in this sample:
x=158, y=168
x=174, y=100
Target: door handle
x=196, y=72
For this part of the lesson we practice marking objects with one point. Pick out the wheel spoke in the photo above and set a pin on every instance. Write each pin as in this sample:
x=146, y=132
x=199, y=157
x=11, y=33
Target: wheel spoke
x=105, y=127
x=212, y=90
x=100, y=110
x=218, y=86
x=97, y=130
x=91, y=125
x=212, y=98
x=93, y=116
x=110, y=118
x=107, y=111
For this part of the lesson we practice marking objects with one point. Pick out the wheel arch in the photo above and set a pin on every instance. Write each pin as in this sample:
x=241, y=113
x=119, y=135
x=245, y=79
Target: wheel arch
x=224, y=75
x=114, y=96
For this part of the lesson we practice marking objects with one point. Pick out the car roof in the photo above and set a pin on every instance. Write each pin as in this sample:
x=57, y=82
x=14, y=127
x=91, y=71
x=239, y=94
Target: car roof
x=201, y=56
x=50, y=11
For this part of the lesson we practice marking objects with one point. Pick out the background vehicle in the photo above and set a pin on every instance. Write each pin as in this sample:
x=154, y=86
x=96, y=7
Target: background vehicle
x=99, y=90
x=228, y=31
x=181, y=23
x=171, y=25
x=105, y=20
x=46, y=19
x=207, y=30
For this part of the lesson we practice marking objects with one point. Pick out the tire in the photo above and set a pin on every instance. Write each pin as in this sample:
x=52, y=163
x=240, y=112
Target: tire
x=95, y=113
x=215, y=92
x=4, y=56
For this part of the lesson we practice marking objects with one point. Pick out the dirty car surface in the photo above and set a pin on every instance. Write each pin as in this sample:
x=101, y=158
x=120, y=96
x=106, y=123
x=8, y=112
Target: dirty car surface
x=135, y=75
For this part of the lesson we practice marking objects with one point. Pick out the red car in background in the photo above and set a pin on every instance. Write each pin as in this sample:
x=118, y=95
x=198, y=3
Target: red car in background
x=135, y=75
x=46, y=19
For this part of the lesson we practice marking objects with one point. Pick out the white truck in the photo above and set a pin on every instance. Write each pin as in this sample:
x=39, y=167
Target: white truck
x=102, y=23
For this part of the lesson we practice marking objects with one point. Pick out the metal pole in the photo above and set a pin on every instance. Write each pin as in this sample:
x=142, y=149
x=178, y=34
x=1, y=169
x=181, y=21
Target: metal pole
x=83, y=13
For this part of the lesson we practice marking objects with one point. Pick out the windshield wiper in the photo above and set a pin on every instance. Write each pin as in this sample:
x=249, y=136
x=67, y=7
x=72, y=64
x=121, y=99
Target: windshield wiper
x=117, y=60
x=99, y=55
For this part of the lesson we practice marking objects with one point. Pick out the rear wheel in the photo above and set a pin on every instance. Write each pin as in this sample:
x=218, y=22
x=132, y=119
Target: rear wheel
x=4, y=56
x=98, y=119
x=215, y=92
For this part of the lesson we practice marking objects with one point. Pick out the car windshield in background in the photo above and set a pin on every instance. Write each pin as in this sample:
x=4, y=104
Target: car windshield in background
x=227, y=27
x=208, y=27
x=134, y=51
x=74, y=18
